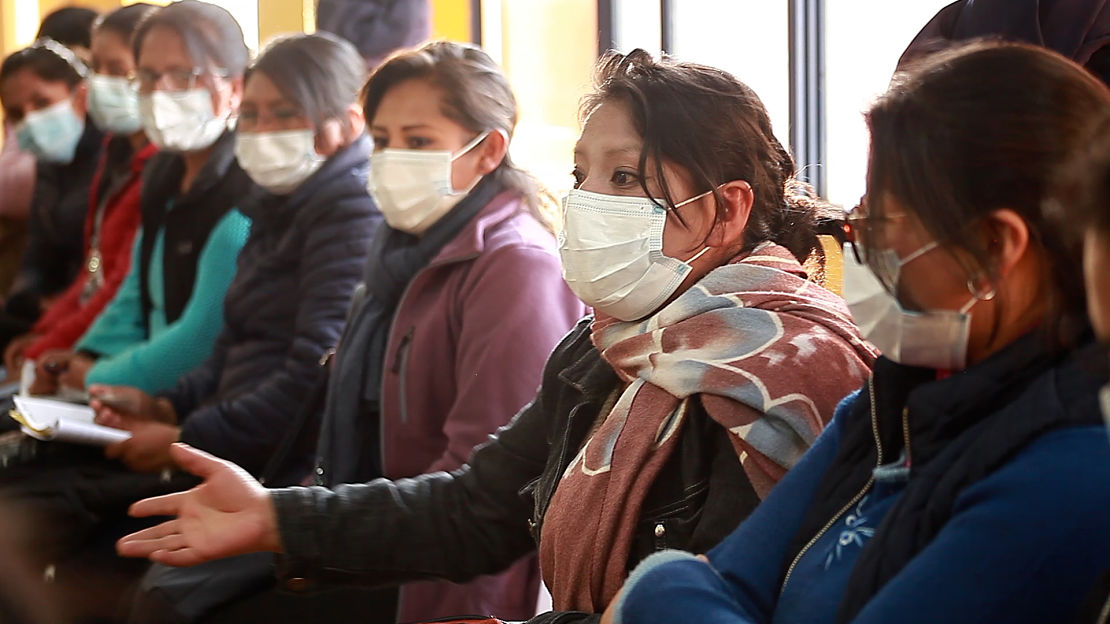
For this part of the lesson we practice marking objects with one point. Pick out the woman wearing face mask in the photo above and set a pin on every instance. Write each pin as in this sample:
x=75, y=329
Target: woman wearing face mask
x=168, y=311
x=44, y=94
x=709, y=367
x=71, y=27
x=113, y=216
x=966, y=482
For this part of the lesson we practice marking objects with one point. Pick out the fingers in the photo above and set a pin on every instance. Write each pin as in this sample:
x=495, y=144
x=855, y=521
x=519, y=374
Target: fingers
x=181, y=558
x=167, y=505
x=108, y=417
x=197, y=461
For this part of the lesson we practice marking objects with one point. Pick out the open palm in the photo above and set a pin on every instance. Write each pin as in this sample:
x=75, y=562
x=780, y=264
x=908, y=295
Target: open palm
x=228, y=514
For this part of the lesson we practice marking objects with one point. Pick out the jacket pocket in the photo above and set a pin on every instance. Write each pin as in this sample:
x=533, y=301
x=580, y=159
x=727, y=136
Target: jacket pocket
x=669, y=526
x=400, y=368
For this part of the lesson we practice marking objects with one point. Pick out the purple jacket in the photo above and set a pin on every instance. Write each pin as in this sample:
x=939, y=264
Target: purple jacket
x=468, y=344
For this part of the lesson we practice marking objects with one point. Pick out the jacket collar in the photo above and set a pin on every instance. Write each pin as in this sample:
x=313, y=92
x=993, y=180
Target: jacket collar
x=589, y=373
x=471, y=240
x=939, y=410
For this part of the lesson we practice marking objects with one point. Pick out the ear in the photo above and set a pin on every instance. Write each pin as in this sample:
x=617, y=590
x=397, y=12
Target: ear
x=729, y=228
x=81, y=99
x=356, y=121
x=235, y=94
x=492, y=151
x=1009, y=240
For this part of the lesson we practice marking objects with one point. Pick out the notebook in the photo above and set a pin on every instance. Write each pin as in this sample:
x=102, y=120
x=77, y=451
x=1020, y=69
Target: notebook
x=51, y=419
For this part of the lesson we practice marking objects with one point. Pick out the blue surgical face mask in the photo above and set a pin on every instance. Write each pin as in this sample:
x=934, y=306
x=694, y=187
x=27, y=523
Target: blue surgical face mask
x=51, y=134
x=114, y=104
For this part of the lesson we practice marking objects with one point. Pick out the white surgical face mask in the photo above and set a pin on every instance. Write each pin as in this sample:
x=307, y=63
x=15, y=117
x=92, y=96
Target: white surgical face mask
x=413, y=187
x=181, y=121
x=931, y=339
x=51, y=134
x=114, y=104
x=278, y=161
x=612, y=252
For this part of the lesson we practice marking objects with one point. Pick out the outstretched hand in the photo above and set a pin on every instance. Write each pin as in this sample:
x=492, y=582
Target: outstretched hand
x=230, y=513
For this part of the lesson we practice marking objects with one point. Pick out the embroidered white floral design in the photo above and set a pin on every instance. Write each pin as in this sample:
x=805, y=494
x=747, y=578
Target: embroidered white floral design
x=856, y=533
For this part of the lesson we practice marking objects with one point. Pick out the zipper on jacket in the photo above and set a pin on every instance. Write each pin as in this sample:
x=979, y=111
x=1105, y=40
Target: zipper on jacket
x=855, y=499
x=392, y=326
x=400, y=368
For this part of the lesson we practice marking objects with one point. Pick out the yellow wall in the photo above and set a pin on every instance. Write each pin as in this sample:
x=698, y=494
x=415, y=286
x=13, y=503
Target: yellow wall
x=276, y=17
x=450, y=19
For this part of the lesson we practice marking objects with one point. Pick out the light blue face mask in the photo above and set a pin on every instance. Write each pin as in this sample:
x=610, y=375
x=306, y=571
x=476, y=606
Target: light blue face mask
x=51, y=134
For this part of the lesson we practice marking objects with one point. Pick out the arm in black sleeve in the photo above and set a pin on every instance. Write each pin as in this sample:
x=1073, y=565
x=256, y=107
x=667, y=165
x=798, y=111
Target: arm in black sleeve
x=453, y=526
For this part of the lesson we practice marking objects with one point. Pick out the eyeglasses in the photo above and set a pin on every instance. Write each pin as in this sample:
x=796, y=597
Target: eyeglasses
x=860, y=228
x=174, y=79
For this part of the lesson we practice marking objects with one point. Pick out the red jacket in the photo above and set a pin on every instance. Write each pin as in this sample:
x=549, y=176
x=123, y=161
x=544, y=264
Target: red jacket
x=467, y=348
x=66, y=319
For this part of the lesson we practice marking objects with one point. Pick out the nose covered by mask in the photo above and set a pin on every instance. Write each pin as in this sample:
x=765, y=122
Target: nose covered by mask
x=114, y=104
x=612, y=252
x=413, y=187
x=930, y=339
x=51, y=134
x=181, y=121
x=278, y=161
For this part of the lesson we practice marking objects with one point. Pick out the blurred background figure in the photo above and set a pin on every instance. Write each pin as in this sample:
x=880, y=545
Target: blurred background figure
x=69, y=26
x=43, y=91
x=377, y=28
x=1078, y=29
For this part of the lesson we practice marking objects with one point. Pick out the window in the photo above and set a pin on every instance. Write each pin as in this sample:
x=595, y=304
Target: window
x=548, y=49
x=748, y=38
x=863, y=41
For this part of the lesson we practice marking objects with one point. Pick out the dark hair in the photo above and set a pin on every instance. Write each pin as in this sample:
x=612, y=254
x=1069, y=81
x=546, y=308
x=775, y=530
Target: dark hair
x=982, y=127
x=321, y=73
x=49, y=60
x=125, y=20
x=1080, y=195
x=211, y=35
x=475, y=94
x=70, y=26
x=716, y=128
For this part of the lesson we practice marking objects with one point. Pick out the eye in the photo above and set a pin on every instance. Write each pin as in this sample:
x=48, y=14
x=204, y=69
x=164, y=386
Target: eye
x=286, y=114
x=624, y=178
x=380, y=142
x=579, y=177
x=416, y=142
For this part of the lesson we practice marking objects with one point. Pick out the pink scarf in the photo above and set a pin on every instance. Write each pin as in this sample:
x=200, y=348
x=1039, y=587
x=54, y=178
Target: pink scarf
x=768, y=354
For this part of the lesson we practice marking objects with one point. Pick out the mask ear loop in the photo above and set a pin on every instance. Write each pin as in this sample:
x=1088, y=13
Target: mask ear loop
x=978, y=294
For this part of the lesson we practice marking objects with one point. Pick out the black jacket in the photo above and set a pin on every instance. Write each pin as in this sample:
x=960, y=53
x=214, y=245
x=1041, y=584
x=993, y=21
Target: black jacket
x=482, y=517
x=284, y=309
x=56, y=244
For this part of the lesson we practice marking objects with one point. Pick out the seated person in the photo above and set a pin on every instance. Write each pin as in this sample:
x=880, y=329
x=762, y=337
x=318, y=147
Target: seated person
x=44, y=94
x=966, y=482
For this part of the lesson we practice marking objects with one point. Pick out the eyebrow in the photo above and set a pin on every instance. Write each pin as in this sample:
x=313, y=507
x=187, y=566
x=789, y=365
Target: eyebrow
x=613, y=151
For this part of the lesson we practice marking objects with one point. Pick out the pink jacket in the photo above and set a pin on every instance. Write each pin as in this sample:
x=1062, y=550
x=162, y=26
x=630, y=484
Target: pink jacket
x=466, y=351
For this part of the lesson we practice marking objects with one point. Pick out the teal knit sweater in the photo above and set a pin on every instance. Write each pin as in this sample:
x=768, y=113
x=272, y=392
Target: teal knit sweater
x=128, y=356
